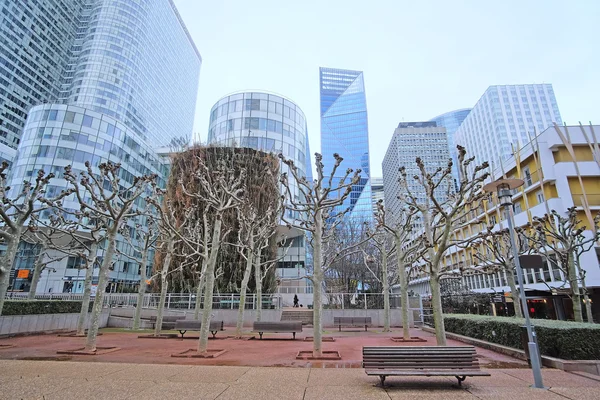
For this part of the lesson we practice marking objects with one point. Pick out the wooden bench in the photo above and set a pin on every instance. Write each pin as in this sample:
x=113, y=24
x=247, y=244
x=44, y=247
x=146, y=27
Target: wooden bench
x=458, y=361
x=352, y=321
x=184, y=325
x=278, y=327
x=168, y=321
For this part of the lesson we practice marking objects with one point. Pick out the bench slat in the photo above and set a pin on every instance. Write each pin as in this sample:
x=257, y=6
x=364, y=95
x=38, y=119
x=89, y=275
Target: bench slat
x=448, y=372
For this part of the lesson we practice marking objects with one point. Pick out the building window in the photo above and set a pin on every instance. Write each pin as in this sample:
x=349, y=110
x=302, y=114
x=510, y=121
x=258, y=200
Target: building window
x=517, y=208
x=69, y=116
x=87, y=121
x=252, y=104
x=527, y=177
x=539, y=196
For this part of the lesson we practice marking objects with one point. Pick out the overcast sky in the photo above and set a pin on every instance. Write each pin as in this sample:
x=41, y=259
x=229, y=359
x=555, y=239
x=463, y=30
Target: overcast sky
x=420, y=58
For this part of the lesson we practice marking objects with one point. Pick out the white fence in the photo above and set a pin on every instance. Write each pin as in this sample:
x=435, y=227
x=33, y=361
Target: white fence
x=187, y=301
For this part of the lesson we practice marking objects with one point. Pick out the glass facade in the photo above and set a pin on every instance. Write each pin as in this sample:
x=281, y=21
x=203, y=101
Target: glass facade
x=58, y=135
x=271, y=123
x=130, y=59
x=344, y=130
x=451, y=121
x=125, y=86
x=36, y=39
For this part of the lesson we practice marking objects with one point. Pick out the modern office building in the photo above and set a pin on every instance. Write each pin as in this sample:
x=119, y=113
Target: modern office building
x=36, y=40
x=551, y=182
x=504, y=118
x=129, y=87
x=411, y=140
x=451, y=121
x=272, y=123
x=377, y=192
x=344, y=130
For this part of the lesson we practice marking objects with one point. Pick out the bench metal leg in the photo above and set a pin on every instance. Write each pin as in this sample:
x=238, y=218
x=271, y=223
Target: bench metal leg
x=382, y=379
x=294, y=333
x=182, y=333
x=460, y=379
x=260, y=333
x=214, y=333
x=340, y=328
x=365, y=328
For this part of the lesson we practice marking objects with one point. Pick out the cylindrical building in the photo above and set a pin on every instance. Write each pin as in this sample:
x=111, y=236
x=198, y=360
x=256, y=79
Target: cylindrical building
x=273, y=123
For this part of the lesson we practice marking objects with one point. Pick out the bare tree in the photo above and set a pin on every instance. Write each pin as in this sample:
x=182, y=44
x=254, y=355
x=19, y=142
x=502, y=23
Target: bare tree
x=385, y=247
x=406, y=250
x=15, y=217
x=102, y=196
x=221, y=189
x=315, y=206
x=441, y=215
x=563, y=236
x=496, y=255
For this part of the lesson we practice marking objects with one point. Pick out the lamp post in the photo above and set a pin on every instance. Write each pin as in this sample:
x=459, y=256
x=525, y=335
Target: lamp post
x=503, y=188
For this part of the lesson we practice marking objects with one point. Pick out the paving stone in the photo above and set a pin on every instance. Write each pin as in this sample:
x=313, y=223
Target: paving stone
x=181, y=390
x=554, y=377
x=32, y=387
x=513, y=393
x=446, y=393
x=285, y=376
x=210, y=374
x=340, y=377
x=99, y=389
x=578, y=393
x=262, y=391
x=345, y=393
x=148, y=372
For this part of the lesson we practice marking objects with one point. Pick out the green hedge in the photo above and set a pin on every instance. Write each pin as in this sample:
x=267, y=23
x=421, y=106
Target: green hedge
x=23, y=307
x=561, y=339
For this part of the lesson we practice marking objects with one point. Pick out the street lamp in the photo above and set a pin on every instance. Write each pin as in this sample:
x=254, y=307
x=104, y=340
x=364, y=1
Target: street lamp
x=503, y=188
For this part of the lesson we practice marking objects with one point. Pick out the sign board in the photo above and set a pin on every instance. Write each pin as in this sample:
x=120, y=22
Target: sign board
x=94, y=289
x=498, y=298
x=23, y=274
x=531, y=261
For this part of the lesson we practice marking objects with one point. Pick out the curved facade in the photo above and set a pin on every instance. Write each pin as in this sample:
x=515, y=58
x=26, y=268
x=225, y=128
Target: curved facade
x=57, y=135
x=268, y=122
x=451, y=121
x=136, y=63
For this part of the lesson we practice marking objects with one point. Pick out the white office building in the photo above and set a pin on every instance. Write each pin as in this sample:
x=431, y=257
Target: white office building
x=503, y=118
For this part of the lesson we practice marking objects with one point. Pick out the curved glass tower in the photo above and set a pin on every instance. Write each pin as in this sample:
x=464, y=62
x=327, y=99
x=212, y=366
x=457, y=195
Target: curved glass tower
x=451, y=121
x=129, y=88
x=344, y=130
x=271, y=123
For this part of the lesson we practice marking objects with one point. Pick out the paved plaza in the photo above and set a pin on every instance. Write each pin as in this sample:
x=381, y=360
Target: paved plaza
x=98, y=380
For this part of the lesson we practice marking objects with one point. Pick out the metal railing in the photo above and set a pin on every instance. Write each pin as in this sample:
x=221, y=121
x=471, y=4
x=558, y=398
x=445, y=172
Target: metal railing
x=187, y=301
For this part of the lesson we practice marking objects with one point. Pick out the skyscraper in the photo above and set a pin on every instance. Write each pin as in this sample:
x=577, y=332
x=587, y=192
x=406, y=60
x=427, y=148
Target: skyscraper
x=344, y=130
x=503, y=118
x=129, y=87
x=451, y=121
x=125, y=59
x=411, y=140
x=36, y=40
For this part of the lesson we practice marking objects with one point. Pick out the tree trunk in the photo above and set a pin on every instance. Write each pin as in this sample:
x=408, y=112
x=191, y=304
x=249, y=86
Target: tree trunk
x=163, y=286
x=6, y=263
x=210, y=285
x=141, y=292
x=37, y=272
x=575, y=294
x=92, y=335
x=514, y=292
x=87, y=290
x=438, y=316
x=317, y=284
x=243, y=290
x=403, y=291
x=386, y=290
x=197, y=306
x=258, y=280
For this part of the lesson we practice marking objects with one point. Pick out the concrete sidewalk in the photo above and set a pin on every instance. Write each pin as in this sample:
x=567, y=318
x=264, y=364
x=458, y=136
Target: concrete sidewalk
x=97, y=380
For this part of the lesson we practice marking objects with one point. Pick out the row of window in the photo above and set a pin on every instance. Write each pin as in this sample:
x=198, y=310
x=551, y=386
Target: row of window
x=272, y=107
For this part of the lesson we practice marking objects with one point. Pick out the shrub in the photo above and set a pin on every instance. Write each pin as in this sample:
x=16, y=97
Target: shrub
x=561, y=339
x=23, y=307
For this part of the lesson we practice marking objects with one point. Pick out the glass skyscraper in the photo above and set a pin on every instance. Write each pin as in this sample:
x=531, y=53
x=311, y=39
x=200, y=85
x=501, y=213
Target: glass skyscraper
x=451, y=121
x=344, y=130
x=128, y=87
